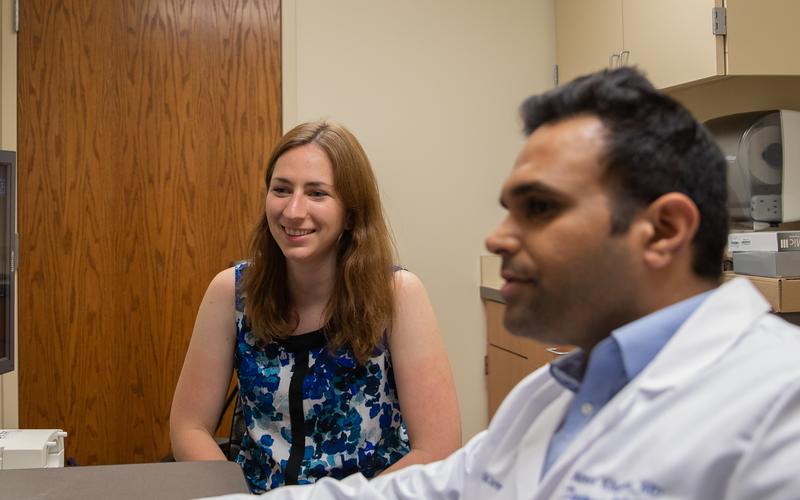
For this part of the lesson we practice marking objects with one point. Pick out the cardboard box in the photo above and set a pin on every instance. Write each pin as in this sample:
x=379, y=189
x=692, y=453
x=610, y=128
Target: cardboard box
x=777, y=264
x=782, y=293
x=764, y=241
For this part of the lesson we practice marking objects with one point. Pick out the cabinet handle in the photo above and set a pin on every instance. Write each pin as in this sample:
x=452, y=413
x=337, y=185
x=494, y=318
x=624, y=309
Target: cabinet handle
x=613, y=61
x=554, y=350
x=623, y=57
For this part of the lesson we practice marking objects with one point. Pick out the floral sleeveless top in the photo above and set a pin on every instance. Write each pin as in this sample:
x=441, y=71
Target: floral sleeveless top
x=311, y=413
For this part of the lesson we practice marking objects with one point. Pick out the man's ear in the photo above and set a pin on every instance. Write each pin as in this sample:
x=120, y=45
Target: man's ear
x=673, y=219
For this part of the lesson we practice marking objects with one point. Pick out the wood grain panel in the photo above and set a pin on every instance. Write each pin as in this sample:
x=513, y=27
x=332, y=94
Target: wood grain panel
x=497, y=335
x=144, y=127
x=506, y=369
x=510, y=358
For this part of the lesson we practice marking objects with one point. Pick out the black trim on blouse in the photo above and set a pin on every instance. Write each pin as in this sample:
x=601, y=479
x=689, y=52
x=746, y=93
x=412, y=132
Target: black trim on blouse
x=303, y=342
x=300, y=345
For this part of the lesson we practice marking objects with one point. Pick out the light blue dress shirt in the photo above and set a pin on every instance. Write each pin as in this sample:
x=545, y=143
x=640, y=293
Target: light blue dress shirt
x=613, y=362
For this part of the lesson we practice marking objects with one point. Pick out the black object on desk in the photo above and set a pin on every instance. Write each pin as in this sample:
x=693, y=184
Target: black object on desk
x=157, y=481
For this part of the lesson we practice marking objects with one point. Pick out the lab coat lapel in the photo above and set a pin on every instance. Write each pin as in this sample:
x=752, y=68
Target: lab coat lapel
x=517, y=468
x=705, y=336
x=607, y=418
x=533, y=444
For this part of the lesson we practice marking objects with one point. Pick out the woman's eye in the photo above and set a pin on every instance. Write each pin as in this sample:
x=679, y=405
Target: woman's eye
x=279, y=190
x=318, y=194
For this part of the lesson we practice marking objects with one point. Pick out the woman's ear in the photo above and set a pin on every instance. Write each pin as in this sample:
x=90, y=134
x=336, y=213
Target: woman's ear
x=348, y=221
x=674, y=219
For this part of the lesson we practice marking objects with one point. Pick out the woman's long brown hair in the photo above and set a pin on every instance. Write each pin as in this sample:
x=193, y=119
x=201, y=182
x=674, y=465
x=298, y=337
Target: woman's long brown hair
x=361, y=306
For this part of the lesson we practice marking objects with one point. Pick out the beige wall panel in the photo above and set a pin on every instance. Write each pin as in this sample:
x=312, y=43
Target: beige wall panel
x=587, y=34
x=432, y=91
x=763, y=37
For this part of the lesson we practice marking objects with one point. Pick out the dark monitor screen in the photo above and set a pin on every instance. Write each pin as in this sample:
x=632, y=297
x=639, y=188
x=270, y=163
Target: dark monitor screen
x=7, y=258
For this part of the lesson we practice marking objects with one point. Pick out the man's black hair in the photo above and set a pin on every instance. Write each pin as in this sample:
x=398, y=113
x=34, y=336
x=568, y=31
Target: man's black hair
x=653, y=146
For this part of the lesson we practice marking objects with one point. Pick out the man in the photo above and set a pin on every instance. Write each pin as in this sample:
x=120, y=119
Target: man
x=680, y=387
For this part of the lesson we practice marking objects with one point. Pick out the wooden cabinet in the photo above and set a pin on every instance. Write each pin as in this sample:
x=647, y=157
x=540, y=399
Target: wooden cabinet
x=510, y=358
x=673, y=41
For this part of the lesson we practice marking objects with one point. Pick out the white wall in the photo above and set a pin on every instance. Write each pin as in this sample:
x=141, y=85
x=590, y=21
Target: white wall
x=431, y=89
x=9, y=393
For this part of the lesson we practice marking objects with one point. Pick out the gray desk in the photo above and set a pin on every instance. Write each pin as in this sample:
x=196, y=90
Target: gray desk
x=167, y=481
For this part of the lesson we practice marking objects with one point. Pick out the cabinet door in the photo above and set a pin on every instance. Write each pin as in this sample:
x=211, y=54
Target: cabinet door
x=587, y=34
x=510, y=358
x=505, y=370
x=763, y=37
x=496, y=334
x=672, y=41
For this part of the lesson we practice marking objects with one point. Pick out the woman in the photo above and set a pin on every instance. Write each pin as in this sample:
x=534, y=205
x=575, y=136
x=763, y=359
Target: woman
x=329, y=340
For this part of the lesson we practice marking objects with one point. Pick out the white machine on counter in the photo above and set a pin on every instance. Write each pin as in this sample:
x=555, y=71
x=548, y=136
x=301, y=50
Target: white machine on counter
x=763, y=153
x=31, y=448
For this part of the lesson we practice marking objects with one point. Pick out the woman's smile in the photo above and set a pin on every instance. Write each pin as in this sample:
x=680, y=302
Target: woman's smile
x=297, y=232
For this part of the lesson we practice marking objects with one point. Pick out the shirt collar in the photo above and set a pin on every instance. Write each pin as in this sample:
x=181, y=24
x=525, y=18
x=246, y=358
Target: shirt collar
x=641, y=340
x=637, y=343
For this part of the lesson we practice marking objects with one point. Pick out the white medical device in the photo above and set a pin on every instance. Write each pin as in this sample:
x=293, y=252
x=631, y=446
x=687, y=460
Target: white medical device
x=763, y=153
x=31, y=448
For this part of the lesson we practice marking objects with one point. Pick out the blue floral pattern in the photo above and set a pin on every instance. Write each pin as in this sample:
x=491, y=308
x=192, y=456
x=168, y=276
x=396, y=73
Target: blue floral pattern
x=351, y=419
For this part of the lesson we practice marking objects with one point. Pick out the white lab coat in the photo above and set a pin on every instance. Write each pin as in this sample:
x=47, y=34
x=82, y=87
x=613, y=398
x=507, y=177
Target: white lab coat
x=715, y=415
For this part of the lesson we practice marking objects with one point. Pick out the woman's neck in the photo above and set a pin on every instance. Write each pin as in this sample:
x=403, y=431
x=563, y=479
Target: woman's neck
x=311, y=283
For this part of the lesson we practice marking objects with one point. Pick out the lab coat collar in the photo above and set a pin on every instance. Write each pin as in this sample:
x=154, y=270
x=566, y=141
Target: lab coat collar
x=704, y=337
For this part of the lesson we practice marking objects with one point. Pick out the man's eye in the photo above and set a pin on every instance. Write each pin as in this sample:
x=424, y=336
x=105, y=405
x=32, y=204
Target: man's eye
x=538, y=208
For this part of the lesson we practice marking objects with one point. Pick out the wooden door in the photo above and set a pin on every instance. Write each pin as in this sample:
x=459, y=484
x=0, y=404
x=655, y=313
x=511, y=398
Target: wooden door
x=144, y=126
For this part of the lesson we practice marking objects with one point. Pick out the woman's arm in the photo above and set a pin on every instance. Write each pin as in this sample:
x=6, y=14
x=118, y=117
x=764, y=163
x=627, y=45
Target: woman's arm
x=206, y=374
x=425, y=386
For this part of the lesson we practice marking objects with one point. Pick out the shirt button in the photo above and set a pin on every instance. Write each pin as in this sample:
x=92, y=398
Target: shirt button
x=587, y=409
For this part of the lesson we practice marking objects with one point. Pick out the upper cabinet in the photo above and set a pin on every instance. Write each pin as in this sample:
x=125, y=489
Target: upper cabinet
x=763, y=38
x=588, y=35
x=674, y=41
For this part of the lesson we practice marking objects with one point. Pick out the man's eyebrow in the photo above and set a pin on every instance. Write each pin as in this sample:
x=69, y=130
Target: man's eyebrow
x=527, y=189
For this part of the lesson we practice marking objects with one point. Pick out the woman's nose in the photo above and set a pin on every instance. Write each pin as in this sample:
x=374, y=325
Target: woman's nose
x=296, y=207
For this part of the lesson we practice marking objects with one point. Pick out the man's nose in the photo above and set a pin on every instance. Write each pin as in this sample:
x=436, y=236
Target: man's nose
x=502, y=240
